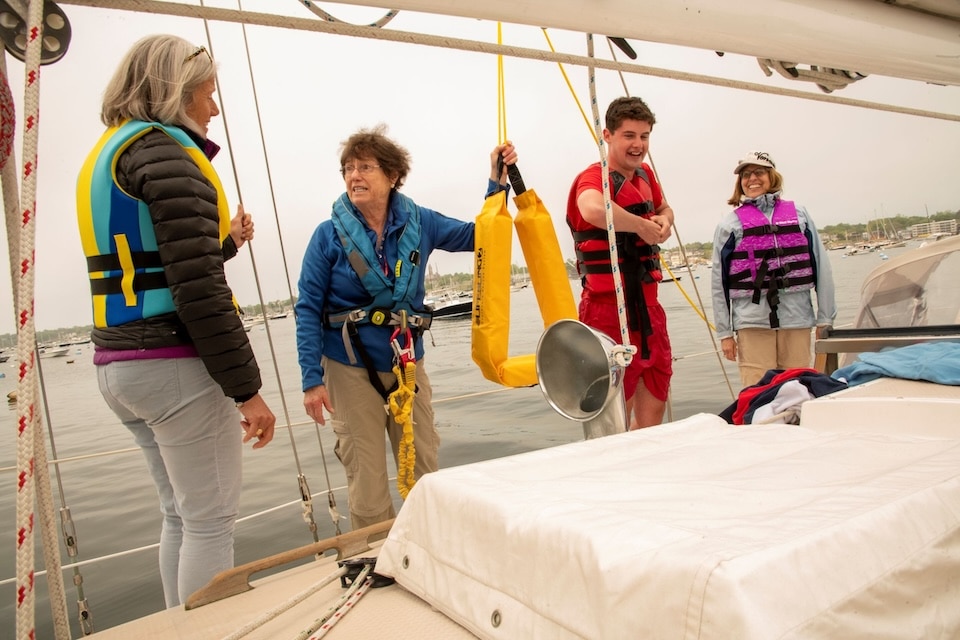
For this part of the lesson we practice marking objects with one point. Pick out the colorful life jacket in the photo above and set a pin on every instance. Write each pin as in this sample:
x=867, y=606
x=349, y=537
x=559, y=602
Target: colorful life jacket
x=639, y=262
x=636, y=257
x=772, y=256
x=392, y=302
x=127, y=282
x=388, y=298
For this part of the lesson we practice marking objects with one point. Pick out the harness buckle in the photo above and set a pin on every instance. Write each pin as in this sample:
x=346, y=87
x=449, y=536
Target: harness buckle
x=403, y=355
x=356, y=316
x=380, y=317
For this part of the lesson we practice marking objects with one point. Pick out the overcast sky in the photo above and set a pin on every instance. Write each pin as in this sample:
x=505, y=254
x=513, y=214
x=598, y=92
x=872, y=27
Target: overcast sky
x=844, y=164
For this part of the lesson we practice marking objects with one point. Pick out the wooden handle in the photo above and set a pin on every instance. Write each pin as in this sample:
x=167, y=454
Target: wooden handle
x=237, y=580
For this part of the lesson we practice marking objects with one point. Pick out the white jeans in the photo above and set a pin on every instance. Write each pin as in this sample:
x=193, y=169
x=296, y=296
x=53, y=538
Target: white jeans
x=191, y=437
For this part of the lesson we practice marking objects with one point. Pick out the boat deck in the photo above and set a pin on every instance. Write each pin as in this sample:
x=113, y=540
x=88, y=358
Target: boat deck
x=387, y=612
x=888, y=406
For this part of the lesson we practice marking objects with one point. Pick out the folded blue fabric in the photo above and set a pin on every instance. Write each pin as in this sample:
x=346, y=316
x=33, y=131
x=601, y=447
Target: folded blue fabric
x=931, y=361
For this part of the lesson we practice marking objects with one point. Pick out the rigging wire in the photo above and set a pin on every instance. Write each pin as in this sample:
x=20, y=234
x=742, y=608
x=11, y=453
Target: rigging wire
x=301, y=478
x=67, y=528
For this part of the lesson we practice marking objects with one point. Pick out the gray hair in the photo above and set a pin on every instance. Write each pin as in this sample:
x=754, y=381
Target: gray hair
x=156, y=81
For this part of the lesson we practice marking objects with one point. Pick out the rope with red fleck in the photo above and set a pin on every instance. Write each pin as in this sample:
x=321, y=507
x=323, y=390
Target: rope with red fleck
x=31, y=451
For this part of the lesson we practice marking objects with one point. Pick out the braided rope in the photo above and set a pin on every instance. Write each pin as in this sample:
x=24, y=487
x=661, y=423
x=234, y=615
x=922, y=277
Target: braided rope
x=11, y=198
x=350, y=595
x=8, y=119
x=31, y=451
x=346, y=607
x=624, y=356
x=283, y=607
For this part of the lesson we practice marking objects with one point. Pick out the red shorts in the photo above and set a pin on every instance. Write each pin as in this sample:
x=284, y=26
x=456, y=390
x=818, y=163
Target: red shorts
x=600, y=312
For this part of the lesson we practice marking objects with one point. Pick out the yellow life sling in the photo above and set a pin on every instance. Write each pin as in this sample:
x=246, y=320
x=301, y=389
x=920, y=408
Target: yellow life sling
x=493, y=241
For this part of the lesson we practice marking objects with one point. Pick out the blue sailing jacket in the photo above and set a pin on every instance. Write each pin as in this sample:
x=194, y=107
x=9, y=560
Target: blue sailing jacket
x=328, y=282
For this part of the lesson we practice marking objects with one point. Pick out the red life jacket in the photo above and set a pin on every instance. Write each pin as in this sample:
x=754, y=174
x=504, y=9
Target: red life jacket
x=639, y=263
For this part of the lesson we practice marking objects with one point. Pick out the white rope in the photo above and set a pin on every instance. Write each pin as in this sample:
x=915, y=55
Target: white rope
x=307, y=504
x=624, y=355
x=31, y=450
x=341, y=28
x=347, y=606
x=269, y=615
x=359, y=586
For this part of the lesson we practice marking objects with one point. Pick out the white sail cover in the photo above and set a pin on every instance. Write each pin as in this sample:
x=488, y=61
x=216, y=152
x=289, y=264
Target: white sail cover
x=695, y=529
x=916, y=289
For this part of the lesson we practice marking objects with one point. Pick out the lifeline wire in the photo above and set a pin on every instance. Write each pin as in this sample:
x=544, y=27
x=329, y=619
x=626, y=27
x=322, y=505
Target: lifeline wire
x=301, y=478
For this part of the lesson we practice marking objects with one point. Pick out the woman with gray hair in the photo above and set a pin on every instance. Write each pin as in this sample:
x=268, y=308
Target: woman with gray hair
x=173, y=361
x=767, y=257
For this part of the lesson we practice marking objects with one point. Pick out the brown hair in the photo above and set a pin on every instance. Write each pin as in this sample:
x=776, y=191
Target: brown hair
x=628, y=108
x=393, y=159
x=776, y=184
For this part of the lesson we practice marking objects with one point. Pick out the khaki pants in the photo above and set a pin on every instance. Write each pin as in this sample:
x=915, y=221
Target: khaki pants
x=362, y=427
x=759, y=350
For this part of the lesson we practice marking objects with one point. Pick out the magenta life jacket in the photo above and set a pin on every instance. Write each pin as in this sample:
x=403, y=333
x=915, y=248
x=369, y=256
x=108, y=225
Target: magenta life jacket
x=772, y=256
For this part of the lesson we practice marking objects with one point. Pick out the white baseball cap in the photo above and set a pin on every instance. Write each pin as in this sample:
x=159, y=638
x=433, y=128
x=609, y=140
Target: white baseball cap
x=759, y=158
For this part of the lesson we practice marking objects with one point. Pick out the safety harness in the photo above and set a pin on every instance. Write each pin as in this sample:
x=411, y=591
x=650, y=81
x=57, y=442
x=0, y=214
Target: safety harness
x=391, y=305
x=772, y=256
x=391, y=301
x=639, y=262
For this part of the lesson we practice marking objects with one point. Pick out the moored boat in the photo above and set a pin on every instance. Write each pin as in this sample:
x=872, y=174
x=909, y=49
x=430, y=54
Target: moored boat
x=449, y=305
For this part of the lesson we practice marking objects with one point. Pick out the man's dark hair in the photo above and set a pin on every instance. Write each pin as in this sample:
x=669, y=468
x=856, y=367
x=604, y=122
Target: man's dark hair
x=628, y=108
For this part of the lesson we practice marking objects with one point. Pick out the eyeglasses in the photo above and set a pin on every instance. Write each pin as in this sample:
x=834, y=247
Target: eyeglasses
x=198, y=51
x=762, y=171
x=364, y=169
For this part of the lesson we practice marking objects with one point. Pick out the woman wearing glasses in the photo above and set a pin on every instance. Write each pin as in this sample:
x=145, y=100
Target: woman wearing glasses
x=767, y=257
x=361, y=311
x=173, y=360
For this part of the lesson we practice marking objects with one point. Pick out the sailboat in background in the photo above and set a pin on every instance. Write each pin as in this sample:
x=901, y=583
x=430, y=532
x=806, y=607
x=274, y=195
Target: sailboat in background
x=549, y=570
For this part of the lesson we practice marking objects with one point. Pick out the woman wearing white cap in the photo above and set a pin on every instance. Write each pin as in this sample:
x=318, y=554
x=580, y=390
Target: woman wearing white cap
x=767, y=257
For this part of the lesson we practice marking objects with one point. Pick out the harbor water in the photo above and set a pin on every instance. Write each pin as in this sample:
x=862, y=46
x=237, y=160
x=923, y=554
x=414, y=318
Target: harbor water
x=115, y=508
